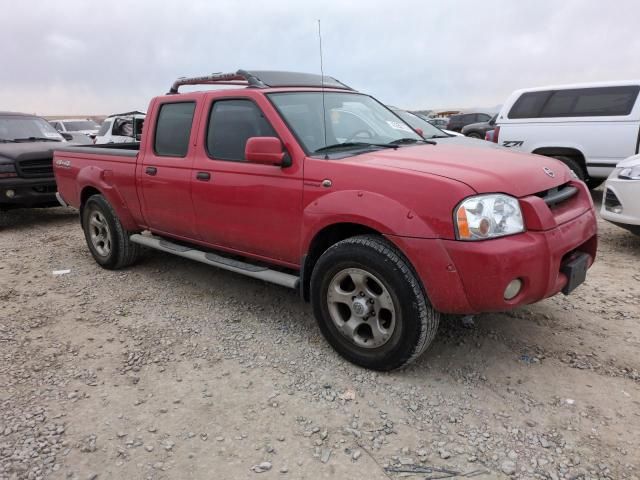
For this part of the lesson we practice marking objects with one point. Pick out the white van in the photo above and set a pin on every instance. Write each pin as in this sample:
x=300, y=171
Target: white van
x=590, y=127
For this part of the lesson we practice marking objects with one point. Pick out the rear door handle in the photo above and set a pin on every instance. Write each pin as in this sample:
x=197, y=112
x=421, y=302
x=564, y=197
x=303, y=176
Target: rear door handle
x=203, y=176
x=151, y=171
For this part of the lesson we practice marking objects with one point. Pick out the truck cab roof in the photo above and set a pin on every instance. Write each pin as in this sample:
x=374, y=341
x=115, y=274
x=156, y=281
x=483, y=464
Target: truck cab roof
x=262, y=79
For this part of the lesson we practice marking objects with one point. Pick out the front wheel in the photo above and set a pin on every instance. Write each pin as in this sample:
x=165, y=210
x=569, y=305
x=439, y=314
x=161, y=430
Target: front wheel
x=369, y=304
x=106, y=238
x=474, y=135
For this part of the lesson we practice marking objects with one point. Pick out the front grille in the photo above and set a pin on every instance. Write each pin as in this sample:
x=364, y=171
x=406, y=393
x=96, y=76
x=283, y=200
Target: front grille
x=40, y=167
x=611, y=201
x=45, y=189
x=558, y=195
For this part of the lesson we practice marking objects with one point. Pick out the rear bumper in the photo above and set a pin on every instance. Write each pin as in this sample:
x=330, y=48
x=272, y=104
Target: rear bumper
x=471, y=277
x=22, y=192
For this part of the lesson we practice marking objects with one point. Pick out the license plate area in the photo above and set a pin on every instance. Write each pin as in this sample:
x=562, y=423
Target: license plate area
x=575, y=269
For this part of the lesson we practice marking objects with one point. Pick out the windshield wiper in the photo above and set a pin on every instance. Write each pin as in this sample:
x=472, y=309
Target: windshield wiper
x=407, y=140
x=35, y=139
x=6, y=140
x=337, y=146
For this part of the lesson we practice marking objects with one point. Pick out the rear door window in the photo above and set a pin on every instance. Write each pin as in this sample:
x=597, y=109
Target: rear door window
x=605, y=101
x=173, y=129
x=231, y=124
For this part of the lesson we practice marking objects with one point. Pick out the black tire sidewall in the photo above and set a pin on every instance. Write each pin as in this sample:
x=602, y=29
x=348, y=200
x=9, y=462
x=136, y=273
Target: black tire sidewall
x=396, y=351
x=575, y=166
x=98, y=203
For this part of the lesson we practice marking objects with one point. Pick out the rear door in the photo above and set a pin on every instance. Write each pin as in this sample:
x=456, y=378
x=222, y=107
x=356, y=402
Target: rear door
x=242, y=206
x=165, y=174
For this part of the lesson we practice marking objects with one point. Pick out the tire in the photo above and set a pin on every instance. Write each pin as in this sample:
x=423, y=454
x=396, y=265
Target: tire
x=474, y=135
x=574, y=166
x=393, y=314
x=106, y=238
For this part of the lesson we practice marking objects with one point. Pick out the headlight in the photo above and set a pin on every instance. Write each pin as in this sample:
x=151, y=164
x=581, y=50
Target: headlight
x=488, y=216
x=7, y=171
x=630, y=173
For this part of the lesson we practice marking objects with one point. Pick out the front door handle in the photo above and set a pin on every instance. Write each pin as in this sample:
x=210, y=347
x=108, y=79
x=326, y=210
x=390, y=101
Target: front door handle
x=203, y=176
x=151, y=171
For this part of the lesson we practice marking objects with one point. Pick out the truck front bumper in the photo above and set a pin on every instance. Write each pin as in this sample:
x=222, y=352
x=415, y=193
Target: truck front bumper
x=621, y=203
x=22, y=192
x=472, y=277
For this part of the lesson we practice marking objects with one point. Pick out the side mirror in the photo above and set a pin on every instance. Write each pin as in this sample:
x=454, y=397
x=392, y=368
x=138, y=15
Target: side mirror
x=492, y=122
x=264, y=150
x=419, y=131
x=67, y=136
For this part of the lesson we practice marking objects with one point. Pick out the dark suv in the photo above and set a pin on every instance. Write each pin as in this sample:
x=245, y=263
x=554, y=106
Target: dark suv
x=26, y=171
x=479, y=130
x=456, y=122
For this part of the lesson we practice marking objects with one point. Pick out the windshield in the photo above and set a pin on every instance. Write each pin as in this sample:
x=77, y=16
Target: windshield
x=77, y=125
x=428, y=130
x=351, y=118
x=26, y=128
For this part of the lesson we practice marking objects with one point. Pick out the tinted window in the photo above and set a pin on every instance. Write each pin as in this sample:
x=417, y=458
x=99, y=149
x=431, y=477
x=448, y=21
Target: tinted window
x=580, y=102
x=231, y=124
x=483, y=117
x=605, y=101
x=528, y=105
x=174, y=128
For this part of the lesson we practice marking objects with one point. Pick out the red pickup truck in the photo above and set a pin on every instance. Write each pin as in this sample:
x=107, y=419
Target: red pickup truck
x=299, y=180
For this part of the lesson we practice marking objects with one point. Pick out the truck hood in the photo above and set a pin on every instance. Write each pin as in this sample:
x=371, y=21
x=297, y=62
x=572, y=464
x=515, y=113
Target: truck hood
x=28, y=150
x=483, y=169
x=467, y=142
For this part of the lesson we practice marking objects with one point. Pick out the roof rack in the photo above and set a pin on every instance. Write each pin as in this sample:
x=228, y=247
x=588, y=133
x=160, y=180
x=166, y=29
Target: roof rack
x=261, y=79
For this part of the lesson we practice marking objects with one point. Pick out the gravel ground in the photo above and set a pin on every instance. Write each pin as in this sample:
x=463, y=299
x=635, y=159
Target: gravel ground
x=172, y=369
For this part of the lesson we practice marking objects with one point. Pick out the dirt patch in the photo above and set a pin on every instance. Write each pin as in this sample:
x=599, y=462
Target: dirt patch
x=172, y=369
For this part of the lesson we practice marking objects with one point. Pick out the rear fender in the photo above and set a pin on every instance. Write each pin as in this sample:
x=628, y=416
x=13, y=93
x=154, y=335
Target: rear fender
x=101, y=180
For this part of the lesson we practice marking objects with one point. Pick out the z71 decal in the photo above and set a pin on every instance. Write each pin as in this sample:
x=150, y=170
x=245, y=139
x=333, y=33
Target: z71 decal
x=512, y=143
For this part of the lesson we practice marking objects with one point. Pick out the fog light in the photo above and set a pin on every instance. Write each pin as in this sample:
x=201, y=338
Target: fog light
x=512, y=289
x=10, y=193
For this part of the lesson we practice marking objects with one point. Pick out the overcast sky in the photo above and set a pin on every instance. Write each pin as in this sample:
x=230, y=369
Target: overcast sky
x=91, y=57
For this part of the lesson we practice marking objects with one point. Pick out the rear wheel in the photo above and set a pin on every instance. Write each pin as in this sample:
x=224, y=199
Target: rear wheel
x=369, y=304
x=106, y=238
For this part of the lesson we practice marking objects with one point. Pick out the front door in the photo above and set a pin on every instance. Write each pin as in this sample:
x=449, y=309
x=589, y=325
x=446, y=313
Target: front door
x=241, y=206
x=165, y=174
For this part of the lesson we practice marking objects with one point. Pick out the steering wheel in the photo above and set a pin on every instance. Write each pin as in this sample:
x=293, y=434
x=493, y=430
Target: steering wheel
x=353, y=137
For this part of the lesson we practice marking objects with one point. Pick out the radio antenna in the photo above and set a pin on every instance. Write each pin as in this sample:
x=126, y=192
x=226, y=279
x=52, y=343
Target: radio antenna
x=324, y=109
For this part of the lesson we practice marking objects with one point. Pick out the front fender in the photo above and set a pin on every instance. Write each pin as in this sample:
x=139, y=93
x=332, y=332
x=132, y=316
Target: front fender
x=372, y=210
x=102, y=180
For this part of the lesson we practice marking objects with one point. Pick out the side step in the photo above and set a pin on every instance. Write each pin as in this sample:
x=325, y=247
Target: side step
x=237, y=266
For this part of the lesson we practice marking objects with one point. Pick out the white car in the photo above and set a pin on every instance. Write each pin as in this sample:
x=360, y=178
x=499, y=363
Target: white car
x=121, y=128
x=590, y=127
x=621, y=200
x=84, y=126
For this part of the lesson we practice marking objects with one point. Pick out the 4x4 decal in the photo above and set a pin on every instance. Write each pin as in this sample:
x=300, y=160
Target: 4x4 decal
x=512, y=143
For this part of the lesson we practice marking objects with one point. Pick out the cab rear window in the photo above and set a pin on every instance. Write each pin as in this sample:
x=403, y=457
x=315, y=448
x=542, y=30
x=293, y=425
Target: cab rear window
x=173, y=129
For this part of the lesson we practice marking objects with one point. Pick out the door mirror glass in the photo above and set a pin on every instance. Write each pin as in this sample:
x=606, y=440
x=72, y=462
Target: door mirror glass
x=265, y=150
